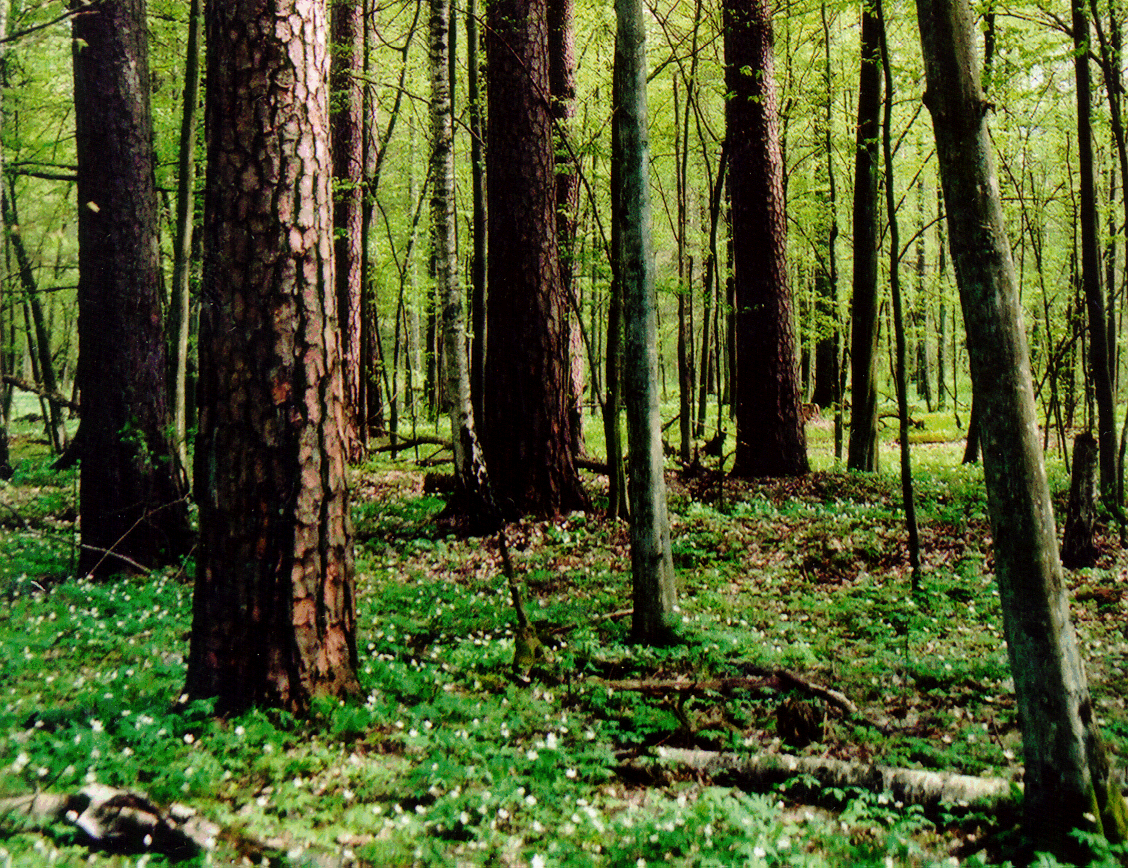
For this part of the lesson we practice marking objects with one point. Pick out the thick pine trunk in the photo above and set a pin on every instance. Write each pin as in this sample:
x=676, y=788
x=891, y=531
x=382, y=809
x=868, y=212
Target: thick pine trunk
x=862, y=451
x=652, y=567
x=132, y=496
x=1067, y=780
x=526, y=434
x=274, y=618
x=770, y=440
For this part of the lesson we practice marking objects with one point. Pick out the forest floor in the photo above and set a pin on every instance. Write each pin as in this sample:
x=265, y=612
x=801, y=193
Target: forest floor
x=801, y=637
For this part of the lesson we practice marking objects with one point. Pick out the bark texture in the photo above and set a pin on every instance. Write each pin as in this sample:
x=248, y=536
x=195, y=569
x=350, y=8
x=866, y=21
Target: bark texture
x=770, y=440
x=525, y=431
x=652, y=567
x=1067, y=780
x=273, y=616
x=862, y=450
x=132, y=494
x=1077, y=547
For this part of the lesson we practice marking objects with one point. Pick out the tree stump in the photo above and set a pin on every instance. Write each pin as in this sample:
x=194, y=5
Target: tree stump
x=1077, y=547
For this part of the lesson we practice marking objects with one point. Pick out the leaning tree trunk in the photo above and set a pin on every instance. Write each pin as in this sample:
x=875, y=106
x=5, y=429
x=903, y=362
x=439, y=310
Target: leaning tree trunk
x=770, y=440
x=1067, y=780
x=652, y=567
x=526, y=432
x=132, y=493
x=274, y=619
x=862, y=451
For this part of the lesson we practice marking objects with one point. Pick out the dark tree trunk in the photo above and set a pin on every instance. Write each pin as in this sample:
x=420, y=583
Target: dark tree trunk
x=1077, y=546
x=525, y=433
x=1067, y=778
x=274, y=618
x=862, y=451
x=478, y=170
x=1099, y=349
x=347, y=145
x=770, y=440
x=132, y=493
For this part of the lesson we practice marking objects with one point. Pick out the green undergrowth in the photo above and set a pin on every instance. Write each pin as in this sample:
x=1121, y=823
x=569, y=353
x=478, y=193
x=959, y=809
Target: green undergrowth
x=448, y=759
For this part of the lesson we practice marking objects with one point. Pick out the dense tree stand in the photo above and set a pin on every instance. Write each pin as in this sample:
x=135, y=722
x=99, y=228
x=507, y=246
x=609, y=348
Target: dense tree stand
x=132, y=491
x=274, y=621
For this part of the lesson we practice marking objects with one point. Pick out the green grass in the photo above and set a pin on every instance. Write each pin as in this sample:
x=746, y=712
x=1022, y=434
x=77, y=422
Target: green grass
x=448, y=760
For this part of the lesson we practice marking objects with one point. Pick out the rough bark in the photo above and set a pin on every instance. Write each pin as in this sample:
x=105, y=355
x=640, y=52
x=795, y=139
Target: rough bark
x=132, y=495
x=273, y=615
x=478, y=180
x=1068, y=784
x=770, y=440
x=347, y=146
x=525, y=432
x=862, y=451
x=652, y=567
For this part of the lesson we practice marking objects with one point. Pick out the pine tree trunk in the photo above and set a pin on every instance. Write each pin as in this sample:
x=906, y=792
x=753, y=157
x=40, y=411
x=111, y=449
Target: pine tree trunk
x=1067, y=780
x=652, y=567
x=132, y=496
x=863, y=452
x=526, y=435
x=274, y=619
x=770, y=440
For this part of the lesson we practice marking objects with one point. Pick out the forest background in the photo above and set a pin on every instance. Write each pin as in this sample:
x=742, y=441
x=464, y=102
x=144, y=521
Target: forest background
x=1030, y=79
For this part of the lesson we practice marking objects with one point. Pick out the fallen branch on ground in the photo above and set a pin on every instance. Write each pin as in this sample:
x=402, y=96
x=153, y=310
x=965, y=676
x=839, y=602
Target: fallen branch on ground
x=421, y=440
x=928, y=789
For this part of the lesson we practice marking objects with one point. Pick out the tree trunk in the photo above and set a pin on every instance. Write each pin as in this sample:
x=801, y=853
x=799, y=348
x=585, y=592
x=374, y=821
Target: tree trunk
x=863, y=452
x=132, y=493
x=274, y=619
x=652, y=567
x=180, y=306
x=347, y=145
x=7, y=312
x=525, y=433
x=1099, y=349
x=472, y=491
x=1077, y=547
x=1068, y=784
x=478, y=175
x=901, y=372
x=770, y=440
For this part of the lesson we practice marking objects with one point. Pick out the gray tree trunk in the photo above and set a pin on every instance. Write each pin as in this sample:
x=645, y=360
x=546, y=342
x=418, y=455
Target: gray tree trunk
x=472, y=485
x=1068, y=785
x=652, y=566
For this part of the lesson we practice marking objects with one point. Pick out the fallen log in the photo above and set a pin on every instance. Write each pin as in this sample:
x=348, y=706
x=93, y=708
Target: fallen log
x=25, y=386
x=404, y=445
x=928, y=789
